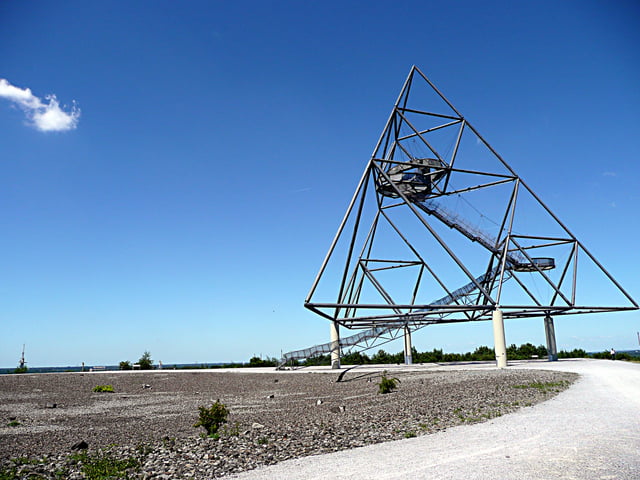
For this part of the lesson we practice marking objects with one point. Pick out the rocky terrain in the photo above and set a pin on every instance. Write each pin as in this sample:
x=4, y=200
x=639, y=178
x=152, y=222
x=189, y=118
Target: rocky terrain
x=144, y=429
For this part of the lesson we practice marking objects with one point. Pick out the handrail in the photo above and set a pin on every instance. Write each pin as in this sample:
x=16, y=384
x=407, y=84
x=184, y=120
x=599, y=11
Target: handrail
x=453, y=220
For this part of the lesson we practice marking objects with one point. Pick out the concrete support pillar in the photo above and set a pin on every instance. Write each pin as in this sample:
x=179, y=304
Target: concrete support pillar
x=408, y=356
x=335, y=345
x=499, y=342
x=550, y=333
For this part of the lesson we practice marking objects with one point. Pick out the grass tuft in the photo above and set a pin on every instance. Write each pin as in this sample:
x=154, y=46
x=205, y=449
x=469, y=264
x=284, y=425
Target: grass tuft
x=104, y=466
x=103, y=388
x=545, y=387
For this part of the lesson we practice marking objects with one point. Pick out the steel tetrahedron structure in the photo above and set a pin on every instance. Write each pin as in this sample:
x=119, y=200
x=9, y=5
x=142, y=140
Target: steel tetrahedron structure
x=441, y=229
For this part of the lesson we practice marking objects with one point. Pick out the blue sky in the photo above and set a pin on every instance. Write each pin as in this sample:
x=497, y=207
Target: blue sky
x=209, y=150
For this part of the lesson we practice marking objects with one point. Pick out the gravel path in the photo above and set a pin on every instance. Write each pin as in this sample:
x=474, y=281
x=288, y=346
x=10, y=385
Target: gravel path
x=275, y=416
x=590, y=431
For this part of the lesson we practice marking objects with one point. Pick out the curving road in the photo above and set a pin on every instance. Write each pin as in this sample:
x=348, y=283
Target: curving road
x=590, y=431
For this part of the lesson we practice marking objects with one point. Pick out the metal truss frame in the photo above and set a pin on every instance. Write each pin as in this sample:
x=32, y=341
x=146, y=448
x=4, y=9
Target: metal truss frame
x=400, y=180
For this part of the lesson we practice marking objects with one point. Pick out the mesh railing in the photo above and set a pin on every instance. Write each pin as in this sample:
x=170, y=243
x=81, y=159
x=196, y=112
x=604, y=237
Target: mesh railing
x=462, y=291
x=325, y=348
x=454, y=220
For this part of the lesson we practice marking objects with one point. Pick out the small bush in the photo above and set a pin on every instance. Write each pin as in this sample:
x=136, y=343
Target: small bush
x=145, y=361
x=259, y=362
x=13, y=423
x=212, y=418
x=317, y=361
x=103, y=388
x=387, y=385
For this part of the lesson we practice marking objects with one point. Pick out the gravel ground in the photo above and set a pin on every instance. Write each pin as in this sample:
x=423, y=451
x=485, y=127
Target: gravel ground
x=590, y=431
x=274, y=416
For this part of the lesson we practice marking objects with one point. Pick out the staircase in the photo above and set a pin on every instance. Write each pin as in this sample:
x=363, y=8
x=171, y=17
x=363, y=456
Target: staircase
x=380, y=335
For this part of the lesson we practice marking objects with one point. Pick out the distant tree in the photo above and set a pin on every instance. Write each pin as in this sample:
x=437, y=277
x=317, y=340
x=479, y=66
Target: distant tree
x=428, y=357
x=318, y=360
x=414, y=354
x=125, y=365
x=454, y=357
x=512, y=351
x=483, y=353
x=541, y=351
x=255, y=361
x=259, y=362
x=355, y=358
x=397, y=358
x=381, y=358
x=626, y=356
x=145, y=361
x=575, y=353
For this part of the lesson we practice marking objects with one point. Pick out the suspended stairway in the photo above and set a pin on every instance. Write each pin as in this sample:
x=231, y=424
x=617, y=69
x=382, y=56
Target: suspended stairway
x=377, y=336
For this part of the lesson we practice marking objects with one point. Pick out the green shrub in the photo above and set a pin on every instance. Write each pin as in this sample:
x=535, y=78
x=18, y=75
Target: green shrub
x=145, y=361
x=103, y=388
x=575, y=353
x=382, y=357
x=125, y=365
x=259, y=362
x=355, y=358
x=317, y=361
x=213, y=417
x=387, y=385
x=626, y=356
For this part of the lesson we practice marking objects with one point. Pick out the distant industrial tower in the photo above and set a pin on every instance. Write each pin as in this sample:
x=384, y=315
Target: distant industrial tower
x=441, y=230
x=22, y=363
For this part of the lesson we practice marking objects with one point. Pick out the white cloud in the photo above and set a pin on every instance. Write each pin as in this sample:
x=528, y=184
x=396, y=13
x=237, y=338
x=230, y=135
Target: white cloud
x=46, y=116
x=609, y=174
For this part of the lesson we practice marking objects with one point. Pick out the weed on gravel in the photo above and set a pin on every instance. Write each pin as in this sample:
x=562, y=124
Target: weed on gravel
x=545, y=387
x=103, y=465
x=103, y=389
x=212, y=418
x=387, y=385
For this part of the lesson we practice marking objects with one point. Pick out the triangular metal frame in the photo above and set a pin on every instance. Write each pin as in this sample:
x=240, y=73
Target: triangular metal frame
x=397, y=178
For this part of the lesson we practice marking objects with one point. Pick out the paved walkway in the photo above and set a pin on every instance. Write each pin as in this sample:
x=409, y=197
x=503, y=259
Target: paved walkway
x=590, y=431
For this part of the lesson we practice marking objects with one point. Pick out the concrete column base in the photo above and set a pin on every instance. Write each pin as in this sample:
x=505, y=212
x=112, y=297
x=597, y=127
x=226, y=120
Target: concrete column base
x=408, y=355
x=335, y=345
x=499, y=342
x=550, y=333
